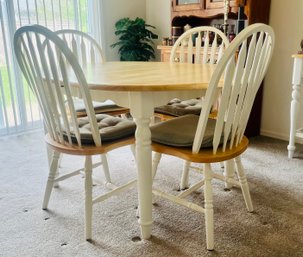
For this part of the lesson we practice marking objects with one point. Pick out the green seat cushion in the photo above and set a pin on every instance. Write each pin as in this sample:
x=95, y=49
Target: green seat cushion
x=110, y=128
x=176, y=107
x=180, y=132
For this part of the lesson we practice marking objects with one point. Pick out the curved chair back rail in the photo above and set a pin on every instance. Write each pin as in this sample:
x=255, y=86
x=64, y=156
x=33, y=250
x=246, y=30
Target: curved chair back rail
x=243, y=67
x=202, y=44
x=88, y=51
x=84, y=47
x=209, y=46
x=45, y=70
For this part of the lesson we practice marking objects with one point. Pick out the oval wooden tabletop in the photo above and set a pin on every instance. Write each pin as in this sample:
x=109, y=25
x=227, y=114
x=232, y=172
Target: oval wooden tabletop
x=148, y=76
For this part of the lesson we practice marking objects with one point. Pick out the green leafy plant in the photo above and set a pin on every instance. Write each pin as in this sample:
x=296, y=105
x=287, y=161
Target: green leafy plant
x=135, y=40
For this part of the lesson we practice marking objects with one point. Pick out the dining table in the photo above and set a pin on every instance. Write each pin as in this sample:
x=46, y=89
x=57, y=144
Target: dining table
x=141, y=86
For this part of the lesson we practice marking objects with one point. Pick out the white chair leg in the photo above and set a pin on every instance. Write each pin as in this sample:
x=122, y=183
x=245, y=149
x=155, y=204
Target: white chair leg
x=56, y=185
x=185, y=175
x=208, y=206
x=105, y=168
x=133, y=149
x=88, y=197
x=51, y=177
x=156, y=159
x=244, y=184
x=229, y=172
x=222, y=165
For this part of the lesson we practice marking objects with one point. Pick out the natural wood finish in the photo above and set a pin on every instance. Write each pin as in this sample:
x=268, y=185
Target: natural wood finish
x=146, y=76
x=297, y=56
x=164, y=117
x=219, y=4
x=255, y=11
x=166, y=52
x=88, y=149
x=207, y=9
x=205, y=155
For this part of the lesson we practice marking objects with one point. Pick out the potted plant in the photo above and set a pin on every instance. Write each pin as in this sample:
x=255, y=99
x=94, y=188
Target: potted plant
x=135, y=40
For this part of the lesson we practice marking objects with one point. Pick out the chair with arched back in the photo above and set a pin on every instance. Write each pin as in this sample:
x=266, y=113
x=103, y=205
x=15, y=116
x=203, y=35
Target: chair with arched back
x=88, y=51
x=200, y=139
x=202, y=44
x=44, y=60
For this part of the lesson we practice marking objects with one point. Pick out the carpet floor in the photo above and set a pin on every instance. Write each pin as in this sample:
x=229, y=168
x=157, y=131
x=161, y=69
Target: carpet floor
x=275, y=228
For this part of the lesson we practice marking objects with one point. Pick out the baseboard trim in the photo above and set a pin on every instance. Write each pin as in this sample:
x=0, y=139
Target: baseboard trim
x=281, y=136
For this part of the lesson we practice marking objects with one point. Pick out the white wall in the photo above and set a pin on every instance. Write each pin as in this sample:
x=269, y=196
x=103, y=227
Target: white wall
x=287, y=22
x=158, y=15
x=155, y=12
x=113, y=10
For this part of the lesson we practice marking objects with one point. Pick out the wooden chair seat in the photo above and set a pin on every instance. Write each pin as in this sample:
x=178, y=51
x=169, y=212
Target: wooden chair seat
x=205, y=155
x=84, y=150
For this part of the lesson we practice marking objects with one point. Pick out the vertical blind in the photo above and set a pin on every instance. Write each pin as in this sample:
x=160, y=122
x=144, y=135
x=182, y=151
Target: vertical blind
x=18, y=107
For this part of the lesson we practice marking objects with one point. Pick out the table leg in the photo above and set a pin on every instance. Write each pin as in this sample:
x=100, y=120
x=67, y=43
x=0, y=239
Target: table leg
x=295, y=103
x=142, y=109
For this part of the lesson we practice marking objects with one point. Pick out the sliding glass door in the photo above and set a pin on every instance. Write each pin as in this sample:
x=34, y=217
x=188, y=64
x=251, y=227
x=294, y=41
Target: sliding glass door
x=18, y=107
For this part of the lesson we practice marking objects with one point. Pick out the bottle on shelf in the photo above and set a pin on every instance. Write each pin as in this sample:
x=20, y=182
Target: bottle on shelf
x=231, y=32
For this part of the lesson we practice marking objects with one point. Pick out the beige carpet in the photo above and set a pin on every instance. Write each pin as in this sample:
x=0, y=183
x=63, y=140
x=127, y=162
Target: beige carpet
x=274, y=229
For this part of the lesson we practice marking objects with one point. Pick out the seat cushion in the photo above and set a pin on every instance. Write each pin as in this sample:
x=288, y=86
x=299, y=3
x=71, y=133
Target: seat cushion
x=180, y=132
x=110, y=128
x=99, y=107
x=176, y=107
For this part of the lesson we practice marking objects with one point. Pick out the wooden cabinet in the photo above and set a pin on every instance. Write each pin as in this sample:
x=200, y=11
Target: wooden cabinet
x=219, y=4
x=205, y=12
x=185, y=6
x=211, y=12
x=165, y=53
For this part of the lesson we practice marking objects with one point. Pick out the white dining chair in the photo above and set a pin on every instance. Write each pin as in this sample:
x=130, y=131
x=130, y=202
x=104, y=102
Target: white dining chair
x=45, y=60
x=203, y=44
x=87, y=51
x=200, y=139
